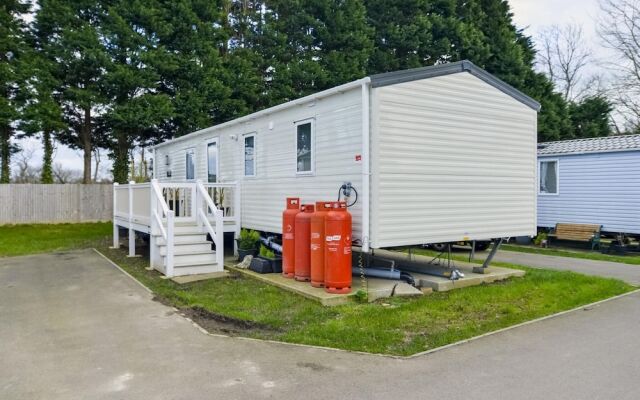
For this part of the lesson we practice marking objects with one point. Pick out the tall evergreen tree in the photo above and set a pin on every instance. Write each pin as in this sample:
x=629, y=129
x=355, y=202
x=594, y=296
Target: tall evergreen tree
x=13, y=51
x=135, y=108
x=590, y=117
x=42, y=114
x=311, y=45
x=69, y=33
x=190, y=36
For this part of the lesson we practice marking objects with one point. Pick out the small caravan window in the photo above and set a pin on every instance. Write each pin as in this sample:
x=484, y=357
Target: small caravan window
x=250, y=155
x=190, y=165
x=548, y=177
x=212, y=161
x=304, y=147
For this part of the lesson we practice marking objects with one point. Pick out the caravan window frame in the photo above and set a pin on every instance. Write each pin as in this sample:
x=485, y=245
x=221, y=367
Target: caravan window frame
x=297, y=124
x=189, y=152
x=254, y=135
x=557, y=173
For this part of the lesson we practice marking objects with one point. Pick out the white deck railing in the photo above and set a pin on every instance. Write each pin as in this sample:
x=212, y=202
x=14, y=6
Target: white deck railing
x=156, y=207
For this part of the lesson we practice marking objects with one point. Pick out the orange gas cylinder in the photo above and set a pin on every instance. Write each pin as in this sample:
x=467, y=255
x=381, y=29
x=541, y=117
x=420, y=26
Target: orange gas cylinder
x=317, y=242
x=288, y=236
x=303, y=236
x=337, y=251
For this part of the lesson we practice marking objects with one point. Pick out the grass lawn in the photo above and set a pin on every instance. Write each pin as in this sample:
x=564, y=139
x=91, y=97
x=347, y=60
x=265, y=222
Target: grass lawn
x=590, y=255
x=18, y=240
x=400, y=326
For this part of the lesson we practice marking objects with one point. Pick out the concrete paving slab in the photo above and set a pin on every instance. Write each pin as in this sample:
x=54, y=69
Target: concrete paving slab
x=377, y=288
x=200, y=277
x=440, y=283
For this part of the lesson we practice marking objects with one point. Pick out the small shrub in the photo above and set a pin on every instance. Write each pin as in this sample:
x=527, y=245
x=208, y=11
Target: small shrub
x=267, y=252
x=538, y=239
x=249, y=239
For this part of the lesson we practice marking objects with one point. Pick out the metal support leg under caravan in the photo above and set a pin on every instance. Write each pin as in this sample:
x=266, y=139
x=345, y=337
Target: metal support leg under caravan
x=485, y=265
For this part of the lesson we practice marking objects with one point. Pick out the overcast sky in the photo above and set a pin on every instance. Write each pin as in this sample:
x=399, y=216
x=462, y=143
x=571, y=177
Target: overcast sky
x=533, y=15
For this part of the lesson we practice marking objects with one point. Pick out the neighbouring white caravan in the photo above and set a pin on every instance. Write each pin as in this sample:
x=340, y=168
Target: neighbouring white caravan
x=436, y=154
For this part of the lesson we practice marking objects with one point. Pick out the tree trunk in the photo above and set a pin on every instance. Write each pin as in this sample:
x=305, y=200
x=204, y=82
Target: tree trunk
x=5, y=154
x=47, y=172
x=85, y=141
x=121, y=159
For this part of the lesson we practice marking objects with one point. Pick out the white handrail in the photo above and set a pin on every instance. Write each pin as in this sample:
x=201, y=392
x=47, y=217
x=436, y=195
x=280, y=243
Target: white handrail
x=158, y=193
x=167, y=234
x=159, y=222
x=217, y=234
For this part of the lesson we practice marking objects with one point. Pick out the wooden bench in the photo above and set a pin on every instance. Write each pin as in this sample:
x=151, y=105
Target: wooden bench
x=578, y=233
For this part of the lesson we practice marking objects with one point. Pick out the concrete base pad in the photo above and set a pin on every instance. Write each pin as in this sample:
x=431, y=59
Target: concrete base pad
x=491, y=274
x=377, y=288
x=441, y=283
x=199, y=277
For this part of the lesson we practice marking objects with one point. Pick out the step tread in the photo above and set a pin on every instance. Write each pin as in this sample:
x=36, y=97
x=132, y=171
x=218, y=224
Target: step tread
x=192, y=253
x=193, y=264
x=187, y=243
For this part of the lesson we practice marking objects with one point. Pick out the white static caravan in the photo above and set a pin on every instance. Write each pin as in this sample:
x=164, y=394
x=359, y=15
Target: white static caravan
x=437, y=154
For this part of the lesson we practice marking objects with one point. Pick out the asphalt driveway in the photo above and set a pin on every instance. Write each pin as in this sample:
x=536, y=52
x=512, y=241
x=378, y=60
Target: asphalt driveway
x=625, y=272
x=72, y=326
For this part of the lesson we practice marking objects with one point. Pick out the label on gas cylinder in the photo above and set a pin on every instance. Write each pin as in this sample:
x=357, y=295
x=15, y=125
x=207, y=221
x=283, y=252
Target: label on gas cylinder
x=288, y=236
x=315, y=247
x=315, y=235
x=347, y=250
x=334, y=238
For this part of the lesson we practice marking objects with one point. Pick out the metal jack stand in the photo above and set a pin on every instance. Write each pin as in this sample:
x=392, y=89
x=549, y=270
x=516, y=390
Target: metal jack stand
x=438, y=259
x=485, y=265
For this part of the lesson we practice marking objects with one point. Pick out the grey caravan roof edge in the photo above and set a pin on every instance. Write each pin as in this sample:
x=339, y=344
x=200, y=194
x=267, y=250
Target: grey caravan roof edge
x=408, y=75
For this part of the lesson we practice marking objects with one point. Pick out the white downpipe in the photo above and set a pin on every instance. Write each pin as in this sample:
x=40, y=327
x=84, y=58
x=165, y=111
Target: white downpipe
x=116, y=232
x=366, y=164
x=132, y=234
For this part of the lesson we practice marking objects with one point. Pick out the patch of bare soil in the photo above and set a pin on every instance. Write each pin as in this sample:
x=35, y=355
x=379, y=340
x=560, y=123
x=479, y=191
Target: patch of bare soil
x=216, y=323
x=222, y=324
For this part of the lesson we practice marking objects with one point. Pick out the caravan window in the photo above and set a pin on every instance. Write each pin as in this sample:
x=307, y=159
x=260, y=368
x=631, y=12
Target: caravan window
x=190, y=165
x=304, y=147
x=548, y=177
x=250, y=155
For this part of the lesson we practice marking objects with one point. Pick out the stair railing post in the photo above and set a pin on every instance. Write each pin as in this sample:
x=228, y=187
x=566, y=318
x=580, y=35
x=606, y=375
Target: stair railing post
x=153, y=209
x=132, y=234
x=237, y=214
x=170, y=233
x=116, y=229
x=219, y=238
x=199, y=202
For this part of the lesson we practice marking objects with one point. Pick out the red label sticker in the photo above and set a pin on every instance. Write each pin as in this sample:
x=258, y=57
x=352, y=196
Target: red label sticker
x=358, y=157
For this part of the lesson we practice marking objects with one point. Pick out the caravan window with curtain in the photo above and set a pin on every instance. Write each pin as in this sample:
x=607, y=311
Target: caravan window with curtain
x=548, y=177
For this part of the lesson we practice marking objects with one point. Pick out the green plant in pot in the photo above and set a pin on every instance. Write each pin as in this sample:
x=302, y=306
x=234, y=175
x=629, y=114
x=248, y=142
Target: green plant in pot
x=248, y=243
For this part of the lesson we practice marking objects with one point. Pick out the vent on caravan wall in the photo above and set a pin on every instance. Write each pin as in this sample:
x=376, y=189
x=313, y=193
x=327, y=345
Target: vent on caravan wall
x=167, y=160
x=168, y=173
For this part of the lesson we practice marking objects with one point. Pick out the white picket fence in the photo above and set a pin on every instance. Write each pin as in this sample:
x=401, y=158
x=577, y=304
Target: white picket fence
x=55, y=203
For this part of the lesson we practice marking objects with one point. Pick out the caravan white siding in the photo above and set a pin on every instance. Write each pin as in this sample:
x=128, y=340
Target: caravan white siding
x=453, y=158
x=337, y=138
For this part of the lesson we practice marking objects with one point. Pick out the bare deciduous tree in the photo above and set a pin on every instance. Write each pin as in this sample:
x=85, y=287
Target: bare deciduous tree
x=64, y=175
x=25, y=172
x=564, y=57
x=619, y=30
